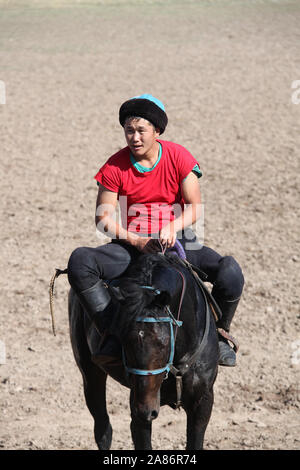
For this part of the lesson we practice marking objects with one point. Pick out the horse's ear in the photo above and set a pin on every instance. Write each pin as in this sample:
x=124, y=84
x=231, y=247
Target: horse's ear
x=117, y=293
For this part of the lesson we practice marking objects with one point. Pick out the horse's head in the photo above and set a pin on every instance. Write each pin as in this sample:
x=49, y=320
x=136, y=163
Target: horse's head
x=148, y=348
x=147, y=339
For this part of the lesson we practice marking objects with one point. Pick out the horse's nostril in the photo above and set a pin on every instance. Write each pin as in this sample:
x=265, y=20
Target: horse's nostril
x=154, y=414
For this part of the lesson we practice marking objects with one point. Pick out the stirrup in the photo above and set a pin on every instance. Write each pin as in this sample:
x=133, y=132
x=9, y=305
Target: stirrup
x=230, y=338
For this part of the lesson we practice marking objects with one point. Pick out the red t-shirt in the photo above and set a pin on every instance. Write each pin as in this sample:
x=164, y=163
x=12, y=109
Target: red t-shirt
x=149, y=198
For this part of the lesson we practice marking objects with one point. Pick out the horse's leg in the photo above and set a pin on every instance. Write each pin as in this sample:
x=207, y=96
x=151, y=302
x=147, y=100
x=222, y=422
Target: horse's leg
x=141, y=434
x=95, y=396
x=94, y=379
x=140, y=431
x=197, y=420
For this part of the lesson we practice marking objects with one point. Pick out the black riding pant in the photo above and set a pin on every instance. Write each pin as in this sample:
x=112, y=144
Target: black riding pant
x=86, y=265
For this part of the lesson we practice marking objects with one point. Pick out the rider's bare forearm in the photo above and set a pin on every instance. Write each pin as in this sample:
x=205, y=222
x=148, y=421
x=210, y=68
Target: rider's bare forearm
x=109, y=227
x=187, y=218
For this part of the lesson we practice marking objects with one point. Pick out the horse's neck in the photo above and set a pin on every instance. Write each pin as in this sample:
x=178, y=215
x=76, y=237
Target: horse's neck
x=193, y=316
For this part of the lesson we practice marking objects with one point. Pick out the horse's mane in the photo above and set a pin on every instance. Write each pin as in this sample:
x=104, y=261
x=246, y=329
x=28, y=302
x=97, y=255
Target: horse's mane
x=137, y=300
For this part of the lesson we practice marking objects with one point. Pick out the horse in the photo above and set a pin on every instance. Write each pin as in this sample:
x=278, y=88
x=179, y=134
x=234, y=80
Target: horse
x=169, y=346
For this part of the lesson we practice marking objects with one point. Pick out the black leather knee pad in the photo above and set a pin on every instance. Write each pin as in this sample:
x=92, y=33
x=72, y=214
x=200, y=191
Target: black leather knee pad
x=230, y=280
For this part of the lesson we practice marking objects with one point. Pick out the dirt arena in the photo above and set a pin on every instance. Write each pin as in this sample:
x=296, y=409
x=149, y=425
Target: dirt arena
x=224, y=70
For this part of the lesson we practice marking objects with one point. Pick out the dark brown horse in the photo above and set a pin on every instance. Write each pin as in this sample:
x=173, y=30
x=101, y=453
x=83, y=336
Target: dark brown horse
x=165, y=360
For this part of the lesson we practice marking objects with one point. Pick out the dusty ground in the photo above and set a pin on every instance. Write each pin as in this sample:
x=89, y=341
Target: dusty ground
x=224, y=71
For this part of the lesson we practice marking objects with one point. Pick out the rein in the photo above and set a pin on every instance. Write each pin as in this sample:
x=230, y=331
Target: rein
x=166, y=368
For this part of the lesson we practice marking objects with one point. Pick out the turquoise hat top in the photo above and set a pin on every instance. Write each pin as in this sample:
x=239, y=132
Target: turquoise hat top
x=146, y=96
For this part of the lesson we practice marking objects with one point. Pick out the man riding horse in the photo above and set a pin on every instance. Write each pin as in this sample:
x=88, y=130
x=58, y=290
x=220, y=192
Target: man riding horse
x=150, y=178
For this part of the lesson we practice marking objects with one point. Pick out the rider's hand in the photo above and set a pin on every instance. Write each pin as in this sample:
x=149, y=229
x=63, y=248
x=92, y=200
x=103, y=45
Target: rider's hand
x=167, y=236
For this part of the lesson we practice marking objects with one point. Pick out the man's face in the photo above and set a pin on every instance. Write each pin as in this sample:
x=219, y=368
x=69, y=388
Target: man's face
x=140, y=136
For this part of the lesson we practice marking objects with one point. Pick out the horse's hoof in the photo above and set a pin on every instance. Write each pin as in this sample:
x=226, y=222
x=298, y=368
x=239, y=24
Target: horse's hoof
x=227, y=356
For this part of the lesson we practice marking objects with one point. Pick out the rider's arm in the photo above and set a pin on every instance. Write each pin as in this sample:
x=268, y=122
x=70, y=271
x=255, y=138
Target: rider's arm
x=105, y=214
x=106, y=221
x=190, y=191
x=191, y=194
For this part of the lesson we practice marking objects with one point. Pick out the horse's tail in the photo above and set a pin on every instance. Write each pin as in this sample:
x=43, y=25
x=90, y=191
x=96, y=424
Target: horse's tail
x=57, y=273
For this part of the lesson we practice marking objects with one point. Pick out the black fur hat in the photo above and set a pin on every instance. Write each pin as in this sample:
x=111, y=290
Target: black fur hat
x=147, y=107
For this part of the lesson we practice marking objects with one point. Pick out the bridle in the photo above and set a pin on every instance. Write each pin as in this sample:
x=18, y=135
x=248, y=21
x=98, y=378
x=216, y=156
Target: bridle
x=172, y=322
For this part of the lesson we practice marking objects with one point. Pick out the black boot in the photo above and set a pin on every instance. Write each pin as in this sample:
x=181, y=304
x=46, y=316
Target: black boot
x=227, y=355
x=101, y=308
